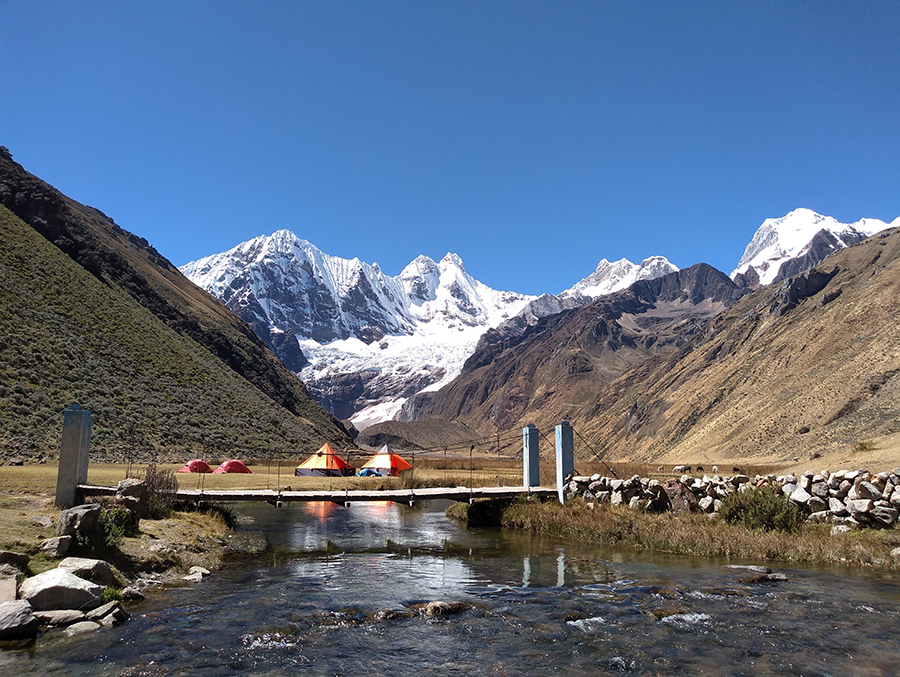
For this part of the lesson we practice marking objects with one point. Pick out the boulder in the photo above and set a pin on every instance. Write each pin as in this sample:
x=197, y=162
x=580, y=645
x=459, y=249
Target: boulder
x=816, y=504
x=859, y=507
x=131, y=594
x=800, y=496
x=837, y=507
x=868, y=490
x=706, y=503
x=57, y=546
x=17, y=620
x=113, y=609
x=41, y=521
x=819, y=489
x=681, y=498
x=17, y=559
x=7, y=588
x=443, y=608
x=819, y=516
x=886, y=516
x=81, y=520
x=60, y=617
x=91, y=569
x=82, y=628
x=58, y=589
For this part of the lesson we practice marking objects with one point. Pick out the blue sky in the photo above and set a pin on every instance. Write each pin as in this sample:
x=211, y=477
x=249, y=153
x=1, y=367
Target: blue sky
x=531, y=138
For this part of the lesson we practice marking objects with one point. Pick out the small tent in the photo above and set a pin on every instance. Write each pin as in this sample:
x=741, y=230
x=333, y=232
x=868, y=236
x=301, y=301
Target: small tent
x=197, y=465
x=233, y=465
x=386, y=462
x=324, y=463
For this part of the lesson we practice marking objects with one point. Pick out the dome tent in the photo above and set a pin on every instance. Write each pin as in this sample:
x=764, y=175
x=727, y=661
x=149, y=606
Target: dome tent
x=197, y=465
x=324, y=463
x=386, y=462
x=231, y=466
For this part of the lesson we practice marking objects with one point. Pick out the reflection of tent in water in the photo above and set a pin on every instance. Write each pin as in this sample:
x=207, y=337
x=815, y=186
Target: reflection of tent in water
x=386, y=462
x=324, y=463
x=233, y=465
x=197, y=465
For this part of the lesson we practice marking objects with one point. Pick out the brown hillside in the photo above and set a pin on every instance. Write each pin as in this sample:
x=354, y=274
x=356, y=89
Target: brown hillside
x=772, y=382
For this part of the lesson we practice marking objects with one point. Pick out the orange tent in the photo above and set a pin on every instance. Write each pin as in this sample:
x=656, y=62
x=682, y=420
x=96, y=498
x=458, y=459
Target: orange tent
x=197, y=465
x=386, y=462
x=324, y=463
x=233, y=465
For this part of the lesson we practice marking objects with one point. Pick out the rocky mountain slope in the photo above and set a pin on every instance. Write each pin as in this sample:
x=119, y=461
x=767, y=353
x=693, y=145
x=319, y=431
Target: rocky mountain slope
x=807, y=367
x=547, y=369
x=94, y=314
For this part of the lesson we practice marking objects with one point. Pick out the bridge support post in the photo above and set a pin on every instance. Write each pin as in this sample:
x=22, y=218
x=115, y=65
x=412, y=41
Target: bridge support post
x=531, y=459
x=74, y=455
x=565, y=457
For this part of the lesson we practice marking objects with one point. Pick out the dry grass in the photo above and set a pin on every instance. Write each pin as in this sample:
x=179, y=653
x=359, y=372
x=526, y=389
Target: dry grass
x=690, y=534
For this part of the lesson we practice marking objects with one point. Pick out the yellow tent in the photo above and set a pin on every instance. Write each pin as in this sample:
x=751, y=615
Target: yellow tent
x=324, y=463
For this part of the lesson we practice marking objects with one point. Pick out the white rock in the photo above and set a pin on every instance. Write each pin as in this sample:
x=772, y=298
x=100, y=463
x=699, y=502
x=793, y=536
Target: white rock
x=58, y=589
x=17, y=620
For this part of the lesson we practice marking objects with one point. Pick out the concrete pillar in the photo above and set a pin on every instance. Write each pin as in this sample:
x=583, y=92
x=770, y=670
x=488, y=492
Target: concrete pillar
x=565, y=457
x=73, y=454
x=531, y=459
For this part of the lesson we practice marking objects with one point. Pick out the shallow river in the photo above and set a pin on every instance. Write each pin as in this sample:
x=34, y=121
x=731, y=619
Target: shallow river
x=535, y=606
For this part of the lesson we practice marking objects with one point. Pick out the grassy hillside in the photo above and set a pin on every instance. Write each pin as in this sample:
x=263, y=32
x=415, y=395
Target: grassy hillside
x=73, y=331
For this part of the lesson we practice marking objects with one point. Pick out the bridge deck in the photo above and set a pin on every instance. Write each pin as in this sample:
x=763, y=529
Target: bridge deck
x=345, y=497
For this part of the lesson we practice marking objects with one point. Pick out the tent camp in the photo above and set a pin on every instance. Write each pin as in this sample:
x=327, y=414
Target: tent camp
x=197, y=465
x=232, y=466
x=386, y=462
x=324, y=463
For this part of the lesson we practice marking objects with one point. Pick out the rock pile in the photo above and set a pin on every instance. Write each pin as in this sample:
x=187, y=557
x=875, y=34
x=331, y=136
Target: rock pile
x=851, y=498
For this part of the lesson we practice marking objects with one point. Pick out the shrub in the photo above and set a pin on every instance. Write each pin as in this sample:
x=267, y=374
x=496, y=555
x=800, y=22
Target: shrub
x=763, y=508
x=162, y=486
x=115, y=523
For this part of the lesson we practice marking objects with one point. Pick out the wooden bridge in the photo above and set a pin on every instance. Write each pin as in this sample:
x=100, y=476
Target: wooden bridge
x=344, y=497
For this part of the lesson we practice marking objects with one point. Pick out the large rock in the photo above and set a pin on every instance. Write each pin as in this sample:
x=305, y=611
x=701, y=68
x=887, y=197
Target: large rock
x=17, y=620
x=58, y=589
x=80, y=520
x=886, y=516
x=800, y=496
x=860, y=507
x=7, y=588
x=17, y=559
x=91, y=569
x=57, y=546
x=60, y=617
x=868, y=490
x=681, y=498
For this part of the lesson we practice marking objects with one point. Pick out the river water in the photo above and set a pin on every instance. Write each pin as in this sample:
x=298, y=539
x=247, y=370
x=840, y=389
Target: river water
x=534, y=606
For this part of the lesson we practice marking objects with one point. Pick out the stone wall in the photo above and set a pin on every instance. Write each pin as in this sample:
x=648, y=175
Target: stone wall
x=852, y=498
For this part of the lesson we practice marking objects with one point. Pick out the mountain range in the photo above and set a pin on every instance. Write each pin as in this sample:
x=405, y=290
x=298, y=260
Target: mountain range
x=365, y=343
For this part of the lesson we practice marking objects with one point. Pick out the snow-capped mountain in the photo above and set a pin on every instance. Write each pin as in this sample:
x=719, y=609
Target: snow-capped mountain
x=368, y=339
x=618, y=275
x=800, y=240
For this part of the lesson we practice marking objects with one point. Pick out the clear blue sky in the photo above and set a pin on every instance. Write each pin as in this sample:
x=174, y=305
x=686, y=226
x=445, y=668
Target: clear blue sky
x=532, y=138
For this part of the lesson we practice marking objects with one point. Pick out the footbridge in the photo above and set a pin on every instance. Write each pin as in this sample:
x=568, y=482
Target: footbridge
x=345, y=497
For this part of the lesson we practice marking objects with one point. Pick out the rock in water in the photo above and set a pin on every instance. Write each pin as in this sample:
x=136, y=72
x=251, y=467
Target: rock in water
x=17, y=620
x=58, y=589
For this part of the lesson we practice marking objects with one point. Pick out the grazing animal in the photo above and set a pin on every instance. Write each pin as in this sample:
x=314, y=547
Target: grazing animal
x=678, y=469
x=716, y=469
x=699, y=468
x=687, y=468
x=660, y=468
x=735, y=469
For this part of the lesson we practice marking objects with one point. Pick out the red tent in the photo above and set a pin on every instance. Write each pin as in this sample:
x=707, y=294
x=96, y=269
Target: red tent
x=324, y=463
x=233, y=465
x=197, y=465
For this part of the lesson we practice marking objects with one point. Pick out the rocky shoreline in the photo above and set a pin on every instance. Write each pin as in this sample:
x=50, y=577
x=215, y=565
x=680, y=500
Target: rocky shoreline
x=84, y=594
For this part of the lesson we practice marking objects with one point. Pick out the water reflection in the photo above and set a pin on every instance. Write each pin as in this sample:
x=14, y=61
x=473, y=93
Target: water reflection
x=532, y=605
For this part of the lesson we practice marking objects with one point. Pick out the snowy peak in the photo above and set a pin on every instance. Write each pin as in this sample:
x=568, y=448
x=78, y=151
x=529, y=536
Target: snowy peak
x=795, y=236
x=618, y=275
